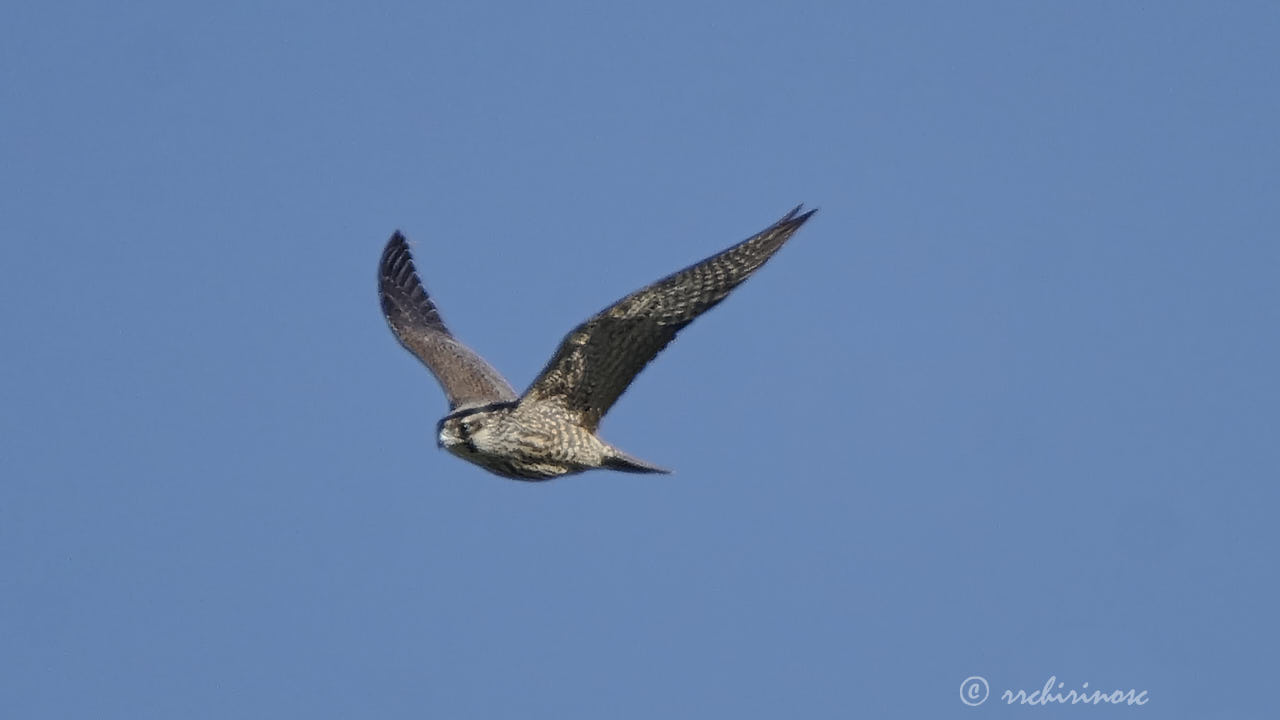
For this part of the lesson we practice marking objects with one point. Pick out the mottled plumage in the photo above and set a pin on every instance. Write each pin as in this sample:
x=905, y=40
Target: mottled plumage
x=550, y=430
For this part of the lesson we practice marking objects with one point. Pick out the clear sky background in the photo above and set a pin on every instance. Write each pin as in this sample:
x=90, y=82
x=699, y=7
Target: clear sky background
x=1007, y=406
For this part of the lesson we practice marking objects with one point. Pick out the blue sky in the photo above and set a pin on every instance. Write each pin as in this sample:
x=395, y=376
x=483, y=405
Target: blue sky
x=1006, y=407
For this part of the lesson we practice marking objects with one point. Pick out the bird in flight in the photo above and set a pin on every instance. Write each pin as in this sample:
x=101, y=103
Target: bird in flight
x=551, y=430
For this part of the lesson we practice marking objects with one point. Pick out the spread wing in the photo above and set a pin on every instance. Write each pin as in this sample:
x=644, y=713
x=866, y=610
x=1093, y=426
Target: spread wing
x=465, y=377
x=598, y=359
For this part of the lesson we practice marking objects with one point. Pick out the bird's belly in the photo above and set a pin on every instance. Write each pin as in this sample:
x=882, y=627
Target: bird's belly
x=515, y=465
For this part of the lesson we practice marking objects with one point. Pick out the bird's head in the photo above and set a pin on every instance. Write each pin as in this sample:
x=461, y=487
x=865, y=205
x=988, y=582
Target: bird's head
x=466, y=431
x=458, y=431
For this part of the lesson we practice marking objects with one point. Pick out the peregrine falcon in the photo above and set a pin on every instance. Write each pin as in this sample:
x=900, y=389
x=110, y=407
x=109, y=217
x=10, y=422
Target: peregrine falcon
x=551, y=430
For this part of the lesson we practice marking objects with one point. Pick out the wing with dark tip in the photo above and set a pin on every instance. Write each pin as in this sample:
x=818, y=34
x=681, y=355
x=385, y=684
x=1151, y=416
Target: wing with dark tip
x=465, y=377
x=598, y=359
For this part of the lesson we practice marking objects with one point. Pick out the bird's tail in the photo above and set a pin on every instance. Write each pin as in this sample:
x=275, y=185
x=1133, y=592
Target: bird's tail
x=618, y=460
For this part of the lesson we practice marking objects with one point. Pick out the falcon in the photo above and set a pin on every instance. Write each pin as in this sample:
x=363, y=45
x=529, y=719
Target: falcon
x=550, y=430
